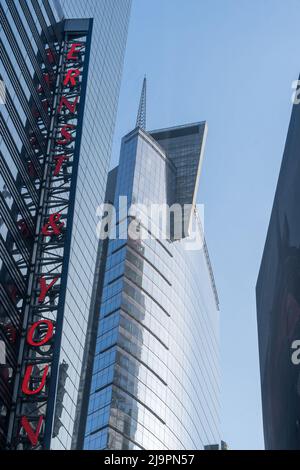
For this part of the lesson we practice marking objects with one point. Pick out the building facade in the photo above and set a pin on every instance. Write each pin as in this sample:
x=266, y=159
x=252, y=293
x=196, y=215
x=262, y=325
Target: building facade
x=30, y=50
x=154, y=362
x=110, y=27
x=45, y=187
x=278, y=304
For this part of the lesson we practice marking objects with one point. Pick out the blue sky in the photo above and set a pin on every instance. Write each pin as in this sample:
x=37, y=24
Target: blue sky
x=230, y=62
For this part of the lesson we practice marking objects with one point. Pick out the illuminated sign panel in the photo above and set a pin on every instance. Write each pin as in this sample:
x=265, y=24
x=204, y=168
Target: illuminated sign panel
x=31, y=421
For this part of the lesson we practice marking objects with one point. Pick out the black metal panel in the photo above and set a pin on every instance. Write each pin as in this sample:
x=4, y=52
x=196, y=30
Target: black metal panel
x=12, y=111
x=24, y=131
x=14, y=231
x=20, y=164
x=49, y=35
x=17, y=197
x=12, y=267
x=37, y=37
x=10, y=309
x=23, y=34
x=23, y=66
x=51, y=17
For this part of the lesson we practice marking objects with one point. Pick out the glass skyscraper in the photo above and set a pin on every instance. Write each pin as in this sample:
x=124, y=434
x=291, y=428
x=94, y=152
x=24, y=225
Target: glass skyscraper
x=110, y=27
x=30, y=39
x=278, y=304
x=154, y=360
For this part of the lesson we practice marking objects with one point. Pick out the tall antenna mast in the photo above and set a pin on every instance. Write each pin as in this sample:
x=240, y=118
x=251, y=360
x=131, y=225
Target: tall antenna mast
x=141, y=116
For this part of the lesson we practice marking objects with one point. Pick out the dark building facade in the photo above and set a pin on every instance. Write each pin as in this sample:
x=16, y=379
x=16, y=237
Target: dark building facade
x=44, y=68
x=44, y=65
x=278, y=303
x=154, y=358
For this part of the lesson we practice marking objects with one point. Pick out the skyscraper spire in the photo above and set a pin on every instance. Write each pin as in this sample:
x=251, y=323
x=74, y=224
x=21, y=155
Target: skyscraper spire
x=141, y=116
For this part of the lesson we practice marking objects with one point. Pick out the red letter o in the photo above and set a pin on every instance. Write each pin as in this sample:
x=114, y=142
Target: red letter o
x=32, y=329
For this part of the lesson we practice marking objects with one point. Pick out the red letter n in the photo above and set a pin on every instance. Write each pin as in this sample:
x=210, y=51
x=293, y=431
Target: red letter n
x=71, y=106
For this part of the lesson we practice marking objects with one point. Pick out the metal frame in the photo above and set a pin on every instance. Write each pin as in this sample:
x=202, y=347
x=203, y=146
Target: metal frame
x=51, y=254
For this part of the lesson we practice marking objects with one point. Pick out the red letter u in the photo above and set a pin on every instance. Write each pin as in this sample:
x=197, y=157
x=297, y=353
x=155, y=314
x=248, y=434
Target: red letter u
x=26, y=381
